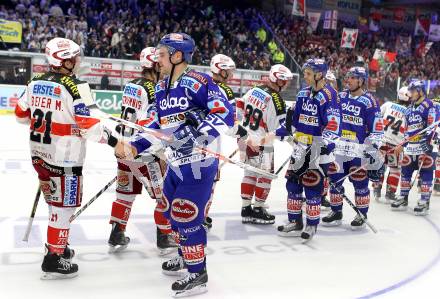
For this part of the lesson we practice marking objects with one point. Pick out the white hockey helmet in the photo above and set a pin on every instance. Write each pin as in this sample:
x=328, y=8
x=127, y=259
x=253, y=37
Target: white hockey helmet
x=148, y=57
x=60, y=49
x=403, y=94
x=330, y=76
x=279, y=72
x=221, y=62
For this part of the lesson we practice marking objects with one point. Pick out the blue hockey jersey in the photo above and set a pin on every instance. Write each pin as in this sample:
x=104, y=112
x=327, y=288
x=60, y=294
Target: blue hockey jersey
x=196, y=93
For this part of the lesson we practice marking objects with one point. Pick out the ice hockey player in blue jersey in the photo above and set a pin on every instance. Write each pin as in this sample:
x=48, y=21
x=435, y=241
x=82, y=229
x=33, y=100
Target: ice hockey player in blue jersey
x=315, y=124
x=361, y=134
x=418, y=152
x=193, y=112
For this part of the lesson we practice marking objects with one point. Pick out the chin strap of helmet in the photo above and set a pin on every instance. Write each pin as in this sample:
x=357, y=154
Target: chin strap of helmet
x=172, y=72
x=225, y=78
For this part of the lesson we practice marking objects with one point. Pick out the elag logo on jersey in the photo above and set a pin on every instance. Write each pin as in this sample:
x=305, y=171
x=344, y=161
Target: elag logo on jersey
x=174, y=102
x=351, y=108
x=70, y=191
x=183, y=210
x=310, y=108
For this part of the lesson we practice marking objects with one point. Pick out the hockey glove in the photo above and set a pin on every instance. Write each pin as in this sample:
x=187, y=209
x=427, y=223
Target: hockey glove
x=299, y=161
x=375, y=175
x=426, y=147
x=186, y=139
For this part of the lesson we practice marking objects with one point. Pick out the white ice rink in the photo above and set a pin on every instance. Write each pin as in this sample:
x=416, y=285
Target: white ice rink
x=244, y=261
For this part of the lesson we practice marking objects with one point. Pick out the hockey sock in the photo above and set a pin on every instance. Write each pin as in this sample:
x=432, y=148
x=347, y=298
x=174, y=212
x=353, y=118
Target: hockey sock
x=362, y=199
x=425, y=189
x=336, y=201
x=294, y=207
x=262, y=189
x=313, y=210
x=393, y=179
x=248, y=189
x=193, y=248
x=121, y=209
x=58, y=228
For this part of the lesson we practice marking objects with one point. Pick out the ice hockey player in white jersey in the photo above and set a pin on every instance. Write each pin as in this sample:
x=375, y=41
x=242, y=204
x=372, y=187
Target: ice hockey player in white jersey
x=60, y=123
x=222, y=68
x=263, y=112
x=393, y=115
x=147, y=170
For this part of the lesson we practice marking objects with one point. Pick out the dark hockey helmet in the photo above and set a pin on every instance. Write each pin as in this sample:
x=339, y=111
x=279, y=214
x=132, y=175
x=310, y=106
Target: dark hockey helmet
x=179, y=42
x=418, y=85
x=317, y=65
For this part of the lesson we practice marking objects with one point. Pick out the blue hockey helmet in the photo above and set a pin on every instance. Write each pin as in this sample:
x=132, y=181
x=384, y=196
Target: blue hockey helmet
x=358, y=72
x=179, y=42
x=317, y=65
x=418, y=85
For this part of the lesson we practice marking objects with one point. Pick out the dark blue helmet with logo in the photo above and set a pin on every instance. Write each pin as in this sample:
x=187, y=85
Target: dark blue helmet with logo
x=317, y=65
x=418, y=85
x=179, y=42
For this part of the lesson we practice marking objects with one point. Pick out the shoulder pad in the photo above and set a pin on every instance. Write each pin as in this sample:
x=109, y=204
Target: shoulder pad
x=201, y=77
x=191, y=83
x=305, y=92
x=36, y=77
x=149, y=88
x=71, y=85
x=368, y=102
x=227, y=90
x=160, y=86
x=426, y=103
x=279, y=104
x=327, y=92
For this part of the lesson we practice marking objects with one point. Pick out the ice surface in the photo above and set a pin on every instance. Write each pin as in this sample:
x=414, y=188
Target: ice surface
x=244, y=261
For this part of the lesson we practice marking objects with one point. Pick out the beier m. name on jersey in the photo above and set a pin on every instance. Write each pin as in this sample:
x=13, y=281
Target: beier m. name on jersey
x=47, y=92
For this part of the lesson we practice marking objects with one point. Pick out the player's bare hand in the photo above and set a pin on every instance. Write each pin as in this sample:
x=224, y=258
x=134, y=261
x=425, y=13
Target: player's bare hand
x=125, y=151
x=268, y=139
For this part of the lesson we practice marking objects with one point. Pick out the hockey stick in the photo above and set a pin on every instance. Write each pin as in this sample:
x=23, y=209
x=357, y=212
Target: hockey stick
x=353, y=207
x=74, y=216
x=282, y=165
x=167, y=138
x=31, y=217
x=230, y=156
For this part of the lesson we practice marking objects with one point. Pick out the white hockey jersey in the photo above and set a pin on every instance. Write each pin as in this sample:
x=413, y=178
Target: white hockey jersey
x=60, y=122
x=137, y=96
x=394, y=122
x=263, y=111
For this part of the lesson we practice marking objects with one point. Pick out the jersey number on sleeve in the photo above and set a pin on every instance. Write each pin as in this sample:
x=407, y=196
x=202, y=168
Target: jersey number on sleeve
x=395, y=126
x=39, y=115
x=253, y=114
